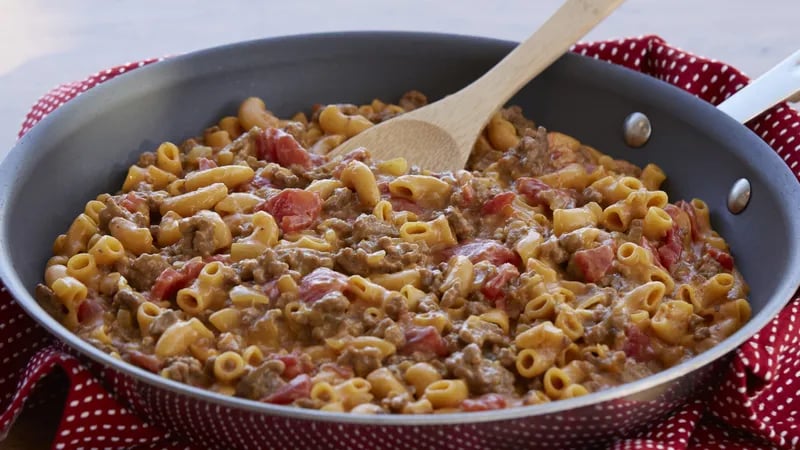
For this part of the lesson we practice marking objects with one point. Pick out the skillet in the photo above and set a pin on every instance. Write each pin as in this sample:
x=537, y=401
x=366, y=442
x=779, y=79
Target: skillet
x=86, y=146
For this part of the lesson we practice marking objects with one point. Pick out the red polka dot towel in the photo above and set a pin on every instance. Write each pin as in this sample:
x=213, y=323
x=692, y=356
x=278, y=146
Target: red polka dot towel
x=752, y=406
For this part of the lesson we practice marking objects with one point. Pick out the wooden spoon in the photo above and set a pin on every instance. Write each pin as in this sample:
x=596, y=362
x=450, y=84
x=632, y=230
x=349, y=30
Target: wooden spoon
x=439, y=137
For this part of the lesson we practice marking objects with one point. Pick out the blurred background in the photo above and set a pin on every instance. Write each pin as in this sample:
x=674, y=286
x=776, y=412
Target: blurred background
x=48, y=42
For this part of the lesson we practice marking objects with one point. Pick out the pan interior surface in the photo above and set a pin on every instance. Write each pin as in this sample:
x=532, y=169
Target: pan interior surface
x=85, y=148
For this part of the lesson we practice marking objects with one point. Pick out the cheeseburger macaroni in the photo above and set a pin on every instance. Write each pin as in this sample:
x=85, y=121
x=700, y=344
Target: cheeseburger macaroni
x=247, y=262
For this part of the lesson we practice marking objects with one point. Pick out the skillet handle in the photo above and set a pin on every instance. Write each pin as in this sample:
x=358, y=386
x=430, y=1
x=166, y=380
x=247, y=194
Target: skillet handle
x=778, y=84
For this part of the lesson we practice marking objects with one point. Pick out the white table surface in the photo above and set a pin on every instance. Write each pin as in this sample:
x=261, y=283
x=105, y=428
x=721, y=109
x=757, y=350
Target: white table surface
x=47, y=42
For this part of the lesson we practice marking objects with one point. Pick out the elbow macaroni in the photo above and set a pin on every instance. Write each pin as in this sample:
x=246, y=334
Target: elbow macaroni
x=275, y=272
x=425, y=190
x=435, y=233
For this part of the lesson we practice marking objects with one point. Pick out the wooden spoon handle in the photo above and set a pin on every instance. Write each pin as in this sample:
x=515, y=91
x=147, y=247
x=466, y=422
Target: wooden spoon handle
x=571, y=22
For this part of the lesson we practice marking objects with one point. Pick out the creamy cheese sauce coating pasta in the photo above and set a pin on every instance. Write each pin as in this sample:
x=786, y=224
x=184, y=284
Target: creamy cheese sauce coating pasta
x=247, y=262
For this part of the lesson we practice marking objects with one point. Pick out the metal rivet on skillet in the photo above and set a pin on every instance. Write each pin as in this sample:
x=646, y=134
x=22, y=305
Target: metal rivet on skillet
x=739, y=196
x=637, y=129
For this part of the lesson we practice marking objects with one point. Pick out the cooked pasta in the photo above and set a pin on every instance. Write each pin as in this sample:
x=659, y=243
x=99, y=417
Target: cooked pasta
x=248, y=262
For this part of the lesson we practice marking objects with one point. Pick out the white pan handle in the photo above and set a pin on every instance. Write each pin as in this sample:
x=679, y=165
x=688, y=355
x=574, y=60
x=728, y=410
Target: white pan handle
x=778, y=84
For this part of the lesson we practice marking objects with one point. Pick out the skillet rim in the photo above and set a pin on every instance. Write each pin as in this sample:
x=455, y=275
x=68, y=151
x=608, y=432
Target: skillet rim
x=680, y=103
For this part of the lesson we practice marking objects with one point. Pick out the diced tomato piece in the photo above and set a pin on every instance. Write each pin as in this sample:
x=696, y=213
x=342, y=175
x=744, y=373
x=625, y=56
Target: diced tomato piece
x=637, y=344
x=299, y=387
x=530, y=188
x=294, y=223
x=650, y=248
x=343, y=371
x=424, y=340
x=293, y=209
x=498, y=203
x=669, y=254
x=293, y=366
x=402, y=204
x=486, y=402
x=205, y=163
x=146, y=362
x=485, y=250
x=495, y=288
x=170, y=281
x=134, y=203
x=670, y=251
x=593, y=263
x=681, y=220
x=167, y=284
x=90, y=311
x=723, y=258
x=319, y=282
x=538, y=193
x=192, y=269
x=278, y=146
x=673, y=211
x=689, y=210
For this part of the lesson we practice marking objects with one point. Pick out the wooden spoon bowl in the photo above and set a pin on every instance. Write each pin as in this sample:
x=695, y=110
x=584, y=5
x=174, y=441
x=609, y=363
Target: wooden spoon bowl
x=439, y=137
